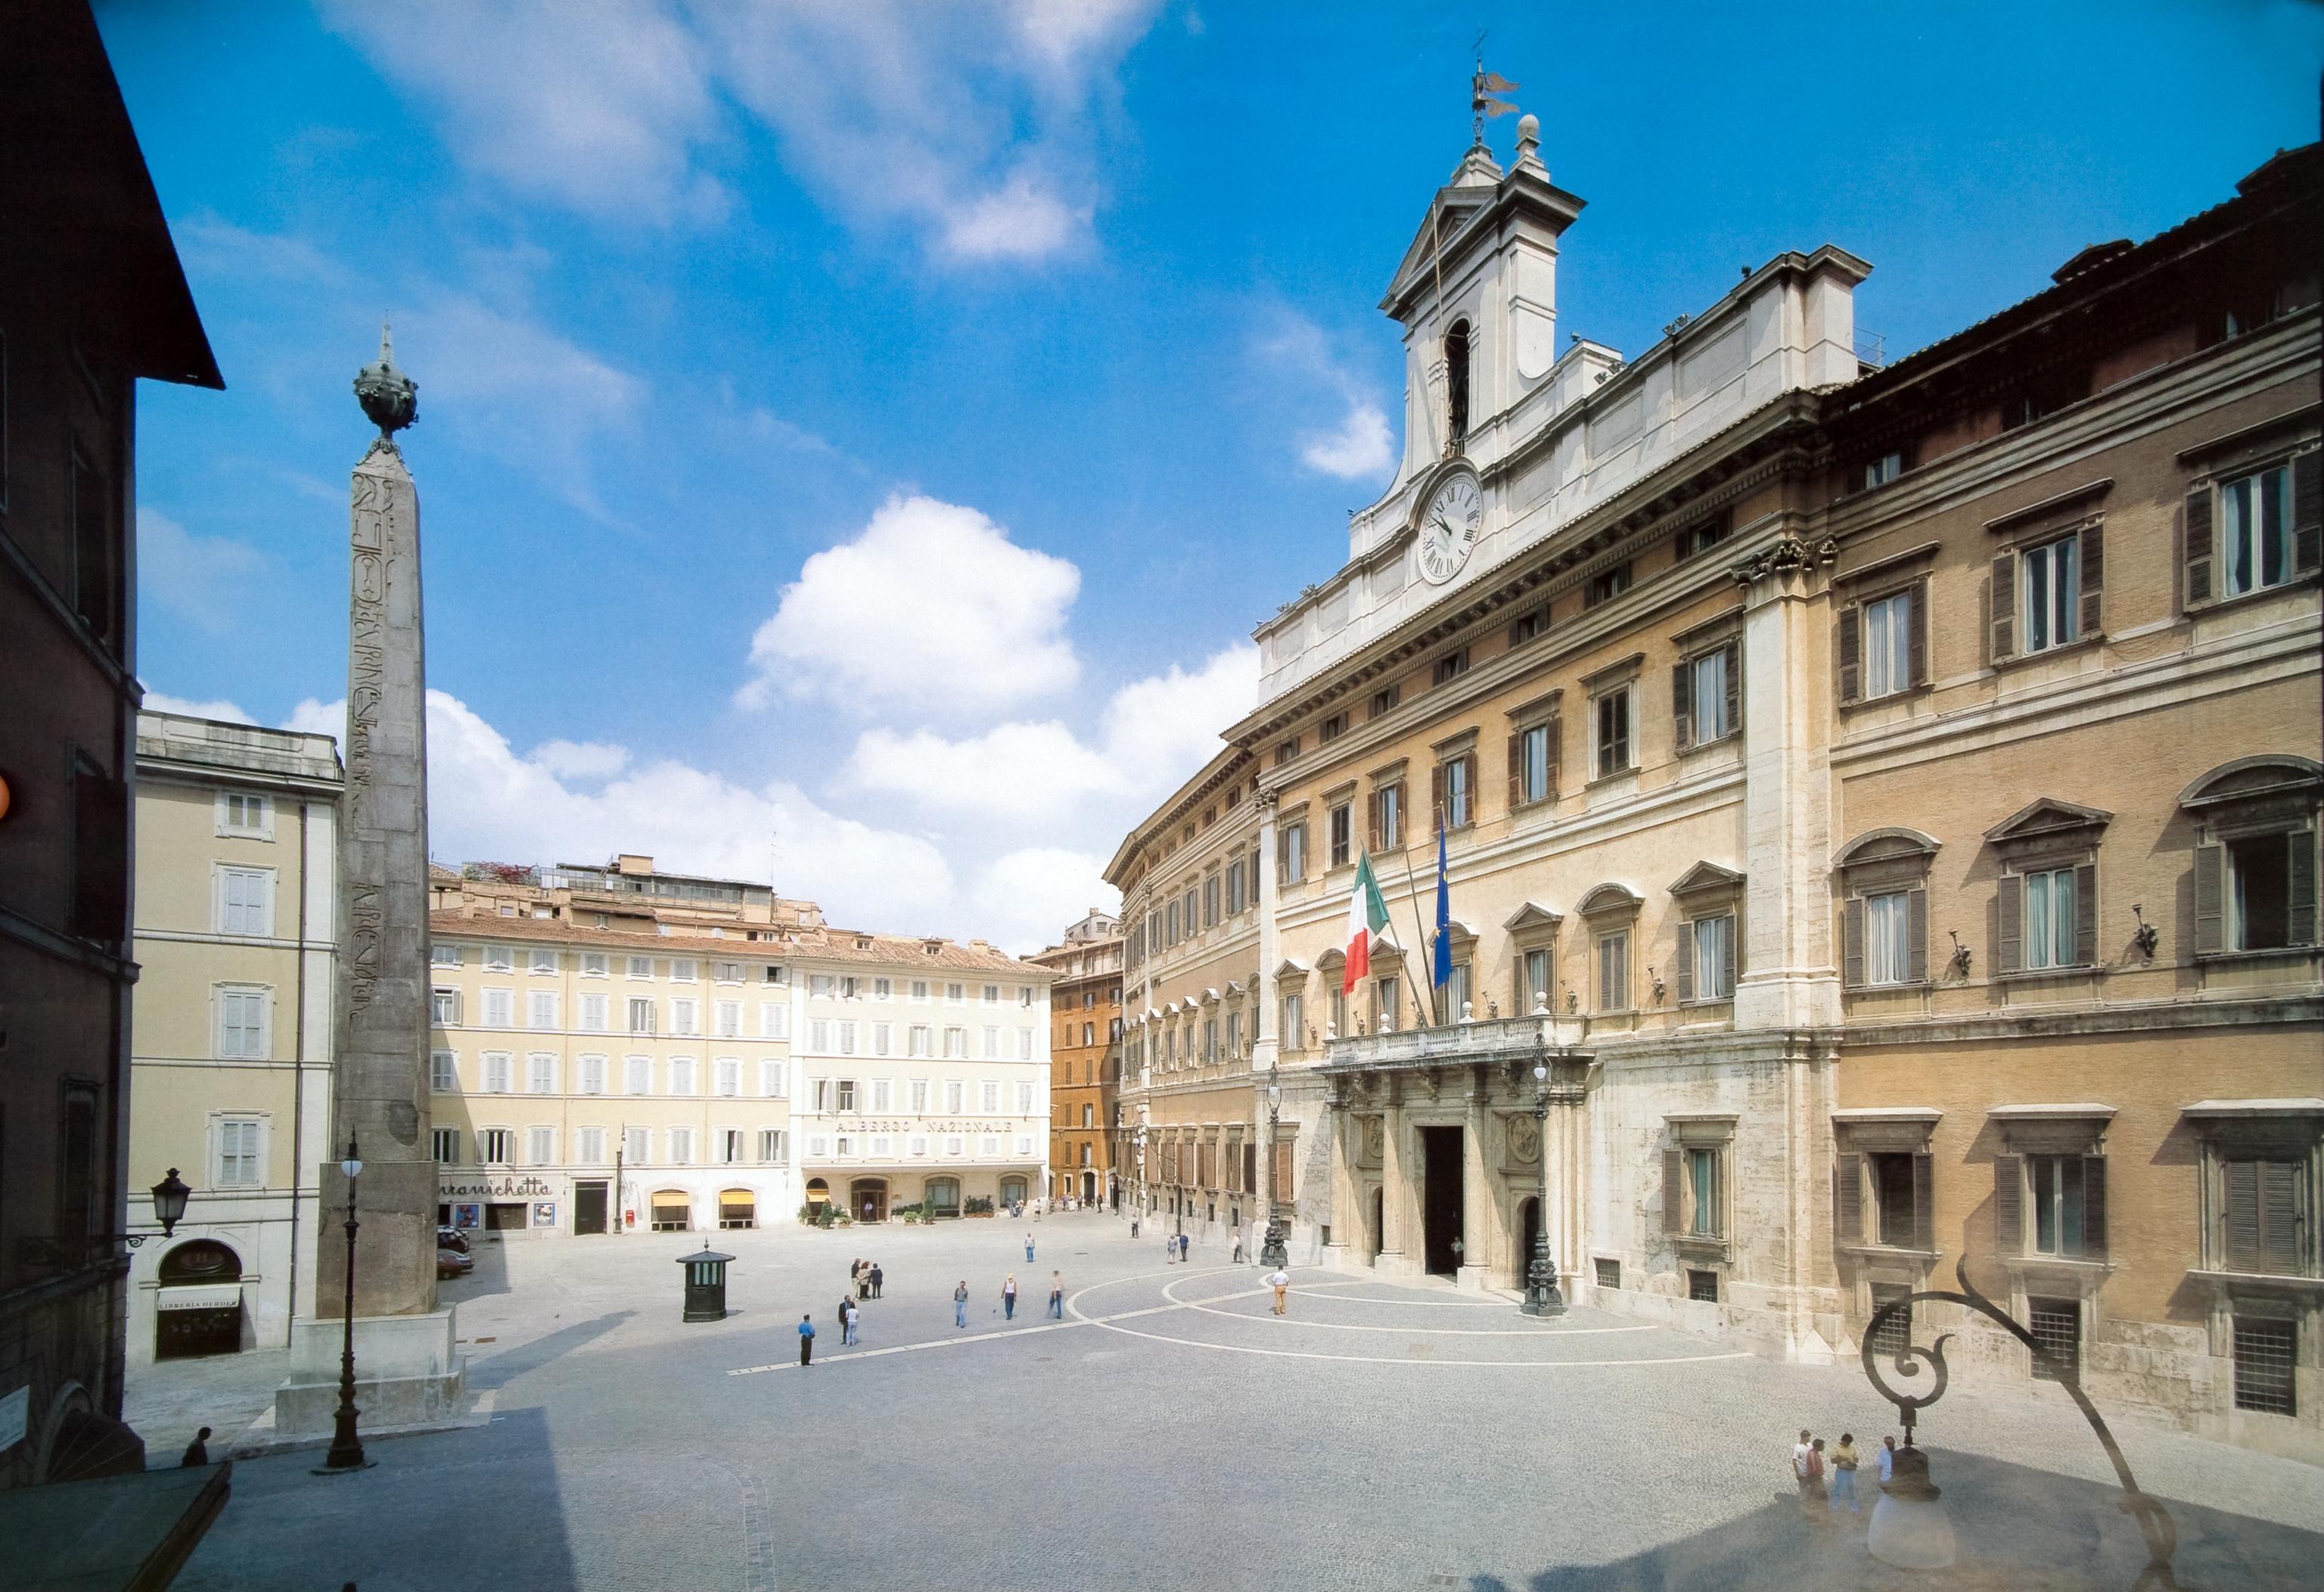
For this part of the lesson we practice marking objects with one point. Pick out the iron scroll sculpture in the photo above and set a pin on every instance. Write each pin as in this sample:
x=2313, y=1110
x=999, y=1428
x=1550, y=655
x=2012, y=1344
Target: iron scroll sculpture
x=2154, y=1521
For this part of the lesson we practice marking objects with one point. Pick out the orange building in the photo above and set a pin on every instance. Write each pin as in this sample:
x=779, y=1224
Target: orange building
x=1085, y=1059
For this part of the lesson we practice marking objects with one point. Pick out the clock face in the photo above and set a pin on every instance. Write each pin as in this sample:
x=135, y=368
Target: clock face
x=1449, y=528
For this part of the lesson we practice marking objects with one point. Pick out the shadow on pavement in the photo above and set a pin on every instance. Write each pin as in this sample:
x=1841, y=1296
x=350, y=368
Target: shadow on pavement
x=501, y=1368
x=2015, y=1527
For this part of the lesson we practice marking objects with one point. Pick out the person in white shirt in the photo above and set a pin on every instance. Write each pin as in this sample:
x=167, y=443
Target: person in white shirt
x=1280, y=1281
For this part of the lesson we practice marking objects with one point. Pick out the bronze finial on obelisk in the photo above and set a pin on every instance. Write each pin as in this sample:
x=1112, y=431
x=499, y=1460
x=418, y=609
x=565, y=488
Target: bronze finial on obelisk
x=389, y=398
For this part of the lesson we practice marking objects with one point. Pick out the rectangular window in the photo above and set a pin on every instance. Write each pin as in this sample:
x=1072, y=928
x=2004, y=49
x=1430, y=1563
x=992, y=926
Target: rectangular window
x=1210, y=1040
x=641, y=966
x=846, y=1094
x=1170, y=921
x=726, y=972
x=1879, y=472
x=593, y=1075
x=919, y=1096
x=591, y=1151
x=592, y=965
x=729, y=1077
x=682, y=1017
x=681, y=1075
x=1611, y=716
x=445, y=1145
x=883, y=1042
x=847, y=1039
x=2051, y=594
x=244, y=1025
x=2049, y=918
x=1332, y=728
x=541, y=1147
x=957, y=1042
x=920, y=991
x=1708, y=698
x=772, y=1148
x=541, y=1009
x=1888, y=644
x=729, y=1019
x=2057, y=1214
x=1383, y=699
x=498, y=1072
x=2255, y=532
x=884, y=989
x=1608, y=1273
x=1024, y=1044
x=1460, y=799
x=993, y=1044
x=730, y=1146
x=498, y=958
x=2267, y=1209
x=1385, y=1003
x=681, y=971
x=541, y=1075
x=1387, y=809
x=1234, y=887
x=443, y=1071
x=1025, y=1099
x=955, y=1095
x=1894, y=1335
x=1614, y=972
x=237, y=1155
x=1294, y=1030
x=500, y=1008
x=2259, y=868
x=918, y=1039
x=1293, y=844
x=593, y=1013
x=682, y=1146
x=1889, y=938
x=1896, y=1213
x=495, y=1146
x=642, y=1014
x=774, y=1020
x=992, y=995
x=1533, y=996
x=1708, y=1218
x=955, y=995
x=1606, y=585
x=542, y=961
x=987, y=1097
x=771, y=1080
x=1234, y=1033
x=443, y=956
x=245, y=813
x=638, y=1075
x=1451, y=666
x=1702, y=1286
x=1210, y=902
x=1535, y=773
x=246, y=898
x=2265, y=1350
x=1714, y=958
x=636, y=1146
x=1340, y=825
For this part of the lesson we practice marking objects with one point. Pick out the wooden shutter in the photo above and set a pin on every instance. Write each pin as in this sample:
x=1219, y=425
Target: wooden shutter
x=2279, y=1216
x=1916, y=935
x=1851, y=653
x=1685, y=972
x=1848, y=1199
x=1734, y=950
x=1552, y=733
x=1283, y=1189
x=1682, y=704
x=1924, y=1214
x=2242, y=1181
x=2307, y=513
x=2093, y=574
x=1517, y=770
x=1673, y=1191
x=2300, y=872
x=1436, y=795
x=1469, y=784
x=1372, y=822
x=2005, y=607
x=1852, y=936
x=2198, y=545
x=1734, y=686
x=2211, y=899
x=2094, y=1209
x=1916, y=637
x=2010, y=953
x=2009, y=1204
x=2086, y=915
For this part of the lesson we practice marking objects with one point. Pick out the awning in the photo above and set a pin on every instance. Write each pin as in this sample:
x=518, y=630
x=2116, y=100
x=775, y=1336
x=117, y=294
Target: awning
x=206, y=1296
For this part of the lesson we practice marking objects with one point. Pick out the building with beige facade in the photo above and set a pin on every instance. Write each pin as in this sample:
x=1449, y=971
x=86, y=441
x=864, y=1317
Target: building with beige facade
x=231, y=1067
x=1881, y=805
x=1085, y=1059
x=619, y=1048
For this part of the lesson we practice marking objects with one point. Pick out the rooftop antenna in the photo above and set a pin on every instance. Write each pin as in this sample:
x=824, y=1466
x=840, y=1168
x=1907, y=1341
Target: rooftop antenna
x=1482, y=87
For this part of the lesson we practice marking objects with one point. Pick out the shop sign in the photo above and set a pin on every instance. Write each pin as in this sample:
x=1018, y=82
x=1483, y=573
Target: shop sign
x=544, y=1213
x=212, y=1296
x=506, y=1187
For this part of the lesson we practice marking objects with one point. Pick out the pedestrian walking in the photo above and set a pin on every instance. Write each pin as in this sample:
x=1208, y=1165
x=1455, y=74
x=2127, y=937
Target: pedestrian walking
x=1028, y=1249
x=1843, y=1475
x=1185, y=1243
x=806, y=1340
x=1237, y=1248
x=847, y=1321
x=198, y=1452
x=1057, y=1296
x=879, y=1280
x=1280, y=1281
x=1133, y=1226
x=960, y=1304
x=1009, y=1299
x=1887, y=1460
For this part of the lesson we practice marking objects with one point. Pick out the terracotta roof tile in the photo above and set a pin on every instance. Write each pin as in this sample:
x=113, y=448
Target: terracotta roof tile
x=812, y=945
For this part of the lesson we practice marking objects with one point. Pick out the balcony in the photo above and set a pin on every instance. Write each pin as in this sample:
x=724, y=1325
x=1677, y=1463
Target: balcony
x=1506, y=1040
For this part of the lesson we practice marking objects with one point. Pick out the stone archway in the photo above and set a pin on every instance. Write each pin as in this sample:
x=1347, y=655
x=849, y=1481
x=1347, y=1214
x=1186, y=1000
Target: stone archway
x=197, y=1302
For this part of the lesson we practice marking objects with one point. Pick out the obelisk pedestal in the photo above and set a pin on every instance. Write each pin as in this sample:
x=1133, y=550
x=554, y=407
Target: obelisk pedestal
x=408, y=1371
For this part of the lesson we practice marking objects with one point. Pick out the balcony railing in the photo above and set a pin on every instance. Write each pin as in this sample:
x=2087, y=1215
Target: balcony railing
x=1499, y=1040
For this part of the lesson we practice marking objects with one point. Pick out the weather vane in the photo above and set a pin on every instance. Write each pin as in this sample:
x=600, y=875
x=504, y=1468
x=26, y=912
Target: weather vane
x=1482, y=87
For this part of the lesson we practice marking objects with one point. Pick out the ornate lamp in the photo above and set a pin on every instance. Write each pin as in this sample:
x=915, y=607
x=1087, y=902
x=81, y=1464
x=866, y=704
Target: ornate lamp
x=1542, y=1295
x=1272, y=1252
x=170, y=1202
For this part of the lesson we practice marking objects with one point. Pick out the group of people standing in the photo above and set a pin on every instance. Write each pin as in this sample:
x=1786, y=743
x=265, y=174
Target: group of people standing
x=865, y=1280
x=1826, y=1481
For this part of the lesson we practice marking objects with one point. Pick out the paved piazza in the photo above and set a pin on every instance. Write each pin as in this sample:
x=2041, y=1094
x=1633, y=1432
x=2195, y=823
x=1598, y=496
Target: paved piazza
x=1169, y=1433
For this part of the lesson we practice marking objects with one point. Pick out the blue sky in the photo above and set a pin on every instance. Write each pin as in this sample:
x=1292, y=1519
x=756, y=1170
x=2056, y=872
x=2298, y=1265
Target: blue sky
x=857, y=439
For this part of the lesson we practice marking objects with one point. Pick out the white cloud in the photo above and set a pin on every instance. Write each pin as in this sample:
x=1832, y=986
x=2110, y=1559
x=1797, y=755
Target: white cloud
x=206, y=580
x=216, y=708
x=931, y=607
x=581, y=759
x=595, y=104
x=1019, y=221
x=1031, y=895
x=1361, y=448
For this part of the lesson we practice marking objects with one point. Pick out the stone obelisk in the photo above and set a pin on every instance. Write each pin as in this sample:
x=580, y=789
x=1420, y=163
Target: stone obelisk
x=379, y=1066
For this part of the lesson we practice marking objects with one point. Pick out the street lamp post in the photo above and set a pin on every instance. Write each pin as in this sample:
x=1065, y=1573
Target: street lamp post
x=1542, y=1295
x=1909, y=1528
x=1272, y=1253
x=346, y=1449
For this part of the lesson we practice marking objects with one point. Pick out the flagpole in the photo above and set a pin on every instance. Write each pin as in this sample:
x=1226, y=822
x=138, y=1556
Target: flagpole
x=1413, y=884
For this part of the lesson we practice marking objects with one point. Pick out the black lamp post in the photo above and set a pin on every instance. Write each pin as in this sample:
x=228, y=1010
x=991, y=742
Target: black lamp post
x=346, y=1449
x=168, y=1204
x=1271, y=1252
x=1542, y=1295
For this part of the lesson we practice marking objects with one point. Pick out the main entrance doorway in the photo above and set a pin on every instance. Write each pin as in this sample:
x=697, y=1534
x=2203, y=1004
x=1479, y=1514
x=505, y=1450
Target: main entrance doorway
x=198, y=1308
x=589, y=1208
x=1528, y=1234
x=1440, y=1199
x=867, y=1200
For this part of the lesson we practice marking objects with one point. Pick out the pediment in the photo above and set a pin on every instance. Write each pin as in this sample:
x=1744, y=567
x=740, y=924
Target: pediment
x=1886, y=846
x=1291, y=968
x=2047, y=815
x=1609, y=898
x=1532, y=918
x=1705, y=877
x=2254, y=779
x=1334, y=958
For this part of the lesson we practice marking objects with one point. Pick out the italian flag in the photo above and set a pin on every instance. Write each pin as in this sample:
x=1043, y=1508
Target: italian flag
x=1367, y=916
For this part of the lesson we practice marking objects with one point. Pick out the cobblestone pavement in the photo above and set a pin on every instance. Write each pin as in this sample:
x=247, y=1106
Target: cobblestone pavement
x=1168, y=1432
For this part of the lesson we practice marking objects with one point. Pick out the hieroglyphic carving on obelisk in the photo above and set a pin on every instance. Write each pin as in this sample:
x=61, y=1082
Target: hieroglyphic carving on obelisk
x=379, y=1073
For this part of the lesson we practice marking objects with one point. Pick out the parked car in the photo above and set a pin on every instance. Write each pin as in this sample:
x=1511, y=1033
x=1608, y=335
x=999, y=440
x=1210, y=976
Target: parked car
x=451, y=1262
x=451, y=1239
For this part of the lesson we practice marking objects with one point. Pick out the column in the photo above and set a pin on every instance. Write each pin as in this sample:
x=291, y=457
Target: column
x=1481, y=1235
x=1266, y=1043
x=1397, y=1227
x=1347, y=1215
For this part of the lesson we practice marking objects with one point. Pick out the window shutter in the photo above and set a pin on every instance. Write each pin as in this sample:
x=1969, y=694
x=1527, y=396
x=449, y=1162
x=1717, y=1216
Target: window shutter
x=1916, y=935
x=1924, y=1216
x=1436, y=796
x=2094, y=1235
x=2004, y=605
x=2307, y=512
x=2300, y=872
x=2093, y=574
x=1517, y=771
x=2210, y=891
x=1673, y=1191
x=1554, y=734
x=1471, y=786
x=2013, y=907
x=1733, y=949
x=1916, y=633
x=1851, y=653
x=2242, y=1180
x=2086, y=915
x=2279, y=1194
x=1685, y=972
x=1734, y=686
x=1372, y=820
x=1852, y=951
x=1683, y=705
x=1848, y=1199
x=2009, y=1204
x=2198, y=545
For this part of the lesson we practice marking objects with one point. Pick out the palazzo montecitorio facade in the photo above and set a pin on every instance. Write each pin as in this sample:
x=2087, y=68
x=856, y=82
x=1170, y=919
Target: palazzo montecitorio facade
x=1881, y=805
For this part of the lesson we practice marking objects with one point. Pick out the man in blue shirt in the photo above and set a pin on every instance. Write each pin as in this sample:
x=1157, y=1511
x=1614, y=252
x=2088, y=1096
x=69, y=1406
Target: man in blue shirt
x=806, y=1340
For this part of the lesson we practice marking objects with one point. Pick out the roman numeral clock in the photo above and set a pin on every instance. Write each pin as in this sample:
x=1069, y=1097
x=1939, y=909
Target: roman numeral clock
x=1449, y=528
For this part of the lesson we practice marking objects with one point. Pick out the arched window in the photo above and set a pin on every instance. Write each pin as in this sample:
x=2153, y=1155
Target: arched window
x=1456, y=384
x=205, y=1260
x=941, y=1196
